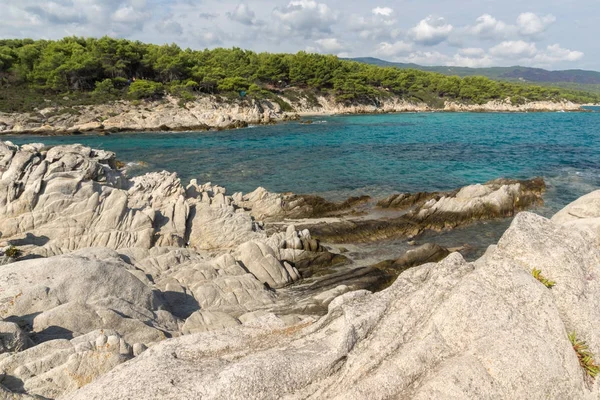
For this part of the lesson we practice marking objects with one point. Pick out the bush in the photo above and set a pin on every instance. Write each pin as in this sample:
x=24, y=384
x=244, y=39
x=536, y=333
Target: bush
x=120, y=83
x=183, y=92
x=12, y=252
x=104, y=88
x=142, y=89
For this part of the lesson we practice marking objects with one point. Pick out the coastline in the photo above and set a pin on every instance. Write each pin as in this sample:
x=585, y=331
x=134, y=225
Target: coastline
x=213, y=113
x=153, y=278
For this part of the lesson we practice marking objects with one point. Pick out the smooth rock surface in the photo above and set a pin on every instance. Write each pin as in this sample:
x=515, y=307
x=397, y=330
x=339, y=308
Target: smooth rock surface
x=453, y=329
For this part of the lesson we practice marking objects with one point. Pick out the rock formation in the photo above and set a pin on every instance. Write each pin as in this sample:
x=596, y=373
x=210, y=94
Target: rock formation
x=453, y=329
x=215, y=112
x=435, y=211
x=144, y=288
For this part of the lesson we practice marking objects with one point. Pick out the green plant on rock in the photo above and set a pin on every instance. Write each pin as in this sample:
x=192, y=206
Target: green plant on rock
x=12, y=252
x=586, y=358
x=537, y=274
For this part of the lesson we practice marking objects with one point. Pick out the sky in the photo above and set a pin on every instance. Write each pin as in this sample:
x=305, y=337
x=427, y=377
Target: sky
x=552, y=34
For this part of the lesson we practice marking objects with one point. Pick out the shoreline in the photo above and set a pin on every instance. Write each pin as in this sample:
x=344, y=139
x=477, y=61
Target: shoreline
x=185, y=266
x=214, y=114
x=290, y=117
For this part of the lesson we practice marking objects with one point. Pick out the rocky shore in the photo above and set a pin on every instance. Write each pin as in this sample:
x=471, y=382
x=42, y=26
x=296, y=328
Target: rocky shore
x=117, y=287
x=217, y=113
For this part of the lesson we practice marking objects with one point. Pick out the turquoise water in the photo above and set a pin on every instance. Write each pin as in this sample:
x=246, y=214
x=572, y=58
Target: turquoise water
x=592, y=108
x=376, y=154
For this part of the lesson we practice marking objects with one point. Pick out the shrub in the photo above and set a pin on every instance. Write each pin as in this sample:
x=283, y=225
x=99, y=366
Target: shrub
x=235, y=84
x=12, y=252
x=586, y=358
x=142, y=89
x=104, y=88
x=537, y=274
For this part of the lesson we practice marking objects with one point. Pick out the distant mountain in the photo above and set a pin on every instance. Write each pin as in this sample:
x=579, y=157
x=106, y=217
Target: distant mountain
x=526, y=74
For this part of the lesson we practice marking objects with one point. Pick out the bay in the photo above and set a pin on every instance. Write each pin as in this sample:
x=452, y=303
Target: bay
x=340, y=156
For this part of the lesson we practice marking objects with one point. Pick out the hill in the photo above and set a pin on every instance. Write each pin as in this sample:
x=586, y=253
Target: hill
x=575, y=79
x=36, y=74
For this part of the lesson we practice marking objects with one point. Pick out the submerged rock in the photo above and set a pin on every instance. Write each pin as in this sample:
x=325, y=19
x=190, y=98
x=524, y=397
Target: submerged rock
x=495, y=199
x=269, y=206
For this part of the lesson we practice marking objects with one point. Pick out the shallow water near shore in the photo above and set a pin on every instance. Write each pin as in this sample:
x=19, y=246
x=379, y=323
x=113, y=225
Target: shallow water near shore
x=341, y=156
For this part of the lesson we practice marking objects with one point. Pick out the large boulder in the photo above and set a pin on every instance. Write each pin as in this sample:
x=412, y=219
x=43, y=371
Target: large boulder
x=12, y=338
x=582, y=215
x=260, y=260
x=71, y=295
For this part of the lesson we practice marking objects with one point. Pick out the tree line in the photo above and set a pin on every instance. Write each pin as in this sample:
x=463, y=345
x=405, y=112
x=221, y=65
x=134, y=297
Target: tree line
x=108, y=68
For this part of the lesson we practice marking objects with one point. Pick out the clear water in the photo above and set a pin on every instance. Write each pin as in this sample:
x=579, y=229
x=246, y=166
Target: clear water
x=592, y=108
x=374, y=154
x=341, y=156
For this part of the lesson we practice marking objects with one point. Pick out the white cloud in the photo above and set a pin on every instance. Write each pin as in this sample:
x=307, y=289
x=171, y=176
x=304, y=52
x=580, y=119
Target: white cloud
x=329, y=46
x=471, y=60
x=58, y=18
x=555, y=53
x=488, y=27
x=514, y=50
x=472, y=52
x=128, y=14
x=379, y=26
x=431, y=31
x=530, y=24
x=426, y=58
x=169, y=26
x=329, y=26
x=306, y=17
x=385, y=11
x=393, y=50
x=242, y=14
x=57, y=13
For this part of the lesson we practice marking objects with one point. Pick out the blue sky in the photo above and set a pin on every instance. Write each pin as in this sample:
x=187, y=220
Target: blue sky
x=544, y=33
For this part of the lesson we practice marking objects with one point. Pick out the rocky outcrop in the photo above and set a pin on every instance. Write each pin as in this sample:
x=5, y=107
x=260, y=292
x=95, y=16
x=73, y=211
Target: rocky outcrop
x=267, y=206
x=101, y=252
x=71, y=197
x=582, y=215
x=181, y=288
x=61, y=366
x=427, y=253
x=451, y=329
x=495, y=199
x=507, y=106
x=402, y=201
x=13, y=338
x=211, y=112
x=216, y=112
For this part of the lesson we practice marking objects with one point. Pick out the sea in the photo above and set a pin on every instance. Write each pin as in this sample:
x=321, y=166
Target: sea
x=341, y=156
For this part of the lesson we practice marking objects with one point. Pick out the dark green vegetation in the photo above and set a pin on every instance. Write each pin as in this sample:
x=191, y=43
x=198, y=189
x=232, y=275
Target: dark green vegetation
x=521, y=73
x=77, y=71
x=12, y=252
x=574, y=79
